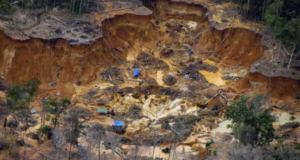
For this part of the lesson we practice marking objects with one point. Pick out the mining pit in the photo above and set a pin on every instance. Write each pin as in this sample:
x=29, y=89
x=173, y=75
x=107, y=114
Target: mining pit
x=188, y=53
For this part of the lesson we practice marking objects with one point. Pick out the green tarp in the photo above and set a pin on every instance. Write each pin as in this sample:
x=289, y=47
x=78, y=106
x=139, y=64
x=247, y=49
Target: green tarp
x=102, y=111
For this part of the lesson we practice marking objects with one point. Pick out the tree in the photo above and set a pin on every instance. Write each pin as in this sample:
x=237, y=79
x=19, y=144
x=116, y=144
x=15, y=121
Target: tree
x=18, y=100
x=58, y=140
x=32, y=86
x=283, y=18
x=56, y=107
x=96, y=133
x=250, y=122
x=72, y=129
x=248, y=152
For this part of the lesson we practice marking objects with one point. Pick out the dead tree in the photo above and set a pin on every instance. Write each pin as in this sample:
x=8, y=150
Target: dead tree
x=72, y=129
x=96, y=133
x=58, y=140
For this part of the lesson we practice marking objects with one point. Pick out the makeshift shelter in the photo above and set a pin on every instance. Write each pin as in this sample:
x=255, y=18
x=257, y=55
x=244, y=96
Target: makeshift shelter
x=118, y=123
x=102, y=111
x=33, y=111
x=136, y=72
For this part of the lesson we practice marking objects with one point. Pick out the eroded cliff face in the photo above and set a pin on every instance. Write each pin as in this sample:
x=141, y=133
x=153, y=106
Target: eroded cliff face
x=47, y=61
x=57, y=61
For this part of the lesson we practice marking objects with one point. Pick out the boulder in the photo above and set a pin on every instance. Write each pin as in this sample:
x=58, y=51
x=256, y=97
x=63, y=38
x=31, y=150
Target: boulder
x=169, y=79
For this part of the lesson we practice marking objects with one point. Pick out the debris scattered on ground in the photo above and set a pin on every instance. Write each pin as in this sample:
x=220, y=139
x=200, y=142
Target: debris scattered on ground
x=112, y=71
x=150, y=62
x=191, y=73
x=52, y=84
x=166, y=52
x=205, y=66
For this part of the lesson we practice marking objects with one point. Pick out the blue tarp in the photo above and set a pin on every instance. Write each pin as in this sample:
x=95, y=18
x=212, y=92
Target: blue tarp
x=119, y=123
x=136, y=72
x=33, y=111
x=171, y=75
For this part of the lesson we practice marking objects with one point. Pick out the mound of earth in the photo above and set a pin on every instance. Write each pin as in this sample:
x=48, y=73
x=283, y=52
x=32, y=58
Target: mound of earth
x=150, y=62
x=169, y=79
x=191, y=72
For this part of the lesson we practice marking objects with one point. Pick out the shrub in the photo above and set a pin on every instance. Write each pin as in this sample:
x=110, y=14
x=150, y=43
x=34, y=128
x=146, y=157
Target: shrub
x=166, y=150
x=165, y=124
x=249, y=118
x=46, y=130
x=13, y=124
x=215, y=152
x=297, y=146
x=4, y=144
x=297, y=96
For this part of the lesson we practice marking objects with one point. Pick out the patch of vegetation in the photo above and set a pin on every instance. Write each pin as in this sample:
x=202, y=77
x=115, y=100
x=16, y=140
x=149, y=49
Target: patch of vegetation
x=297, y=146
x=251, y=124
x=208, y=143
x=183, y=125
x=56, y=107
x=119, y=130
x=47, y=130
x=13, y=124
x=166, y=150
x=4, y=144
x=207, y=112
x=297, y=96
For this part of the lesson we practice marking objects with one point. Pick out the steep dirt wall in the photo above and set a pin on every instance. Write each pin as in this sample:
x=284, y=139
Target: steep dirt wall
x=128, y=28
x=239, y=47
x=279, y=88
x=167, y=9
x=235, y=46
x=50, y=61
x=57, y=61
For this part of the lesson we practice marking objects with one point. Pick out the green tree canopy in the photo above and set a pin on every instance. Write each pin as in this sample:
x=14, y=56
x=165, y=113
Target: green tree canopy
x=250, y=122
x=32, y=86
x=283, y=18
x=19, y=96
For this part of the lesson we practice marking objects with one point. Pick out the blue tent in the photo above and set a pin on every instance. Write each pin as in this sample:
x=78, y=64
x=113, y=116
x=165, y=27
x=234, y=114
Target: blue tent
x=136, y=72
x=118, y=123
x=33, y=111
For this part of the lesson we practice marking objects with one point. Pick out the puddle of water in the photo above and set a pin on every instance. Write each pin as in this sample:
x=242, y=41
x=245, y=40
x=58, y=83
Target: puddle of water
x=222, y=128
x=284, y=118
x=210, y=62
x=168, y=63
x=214, y=78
